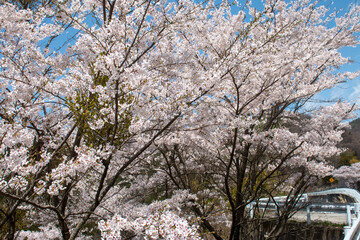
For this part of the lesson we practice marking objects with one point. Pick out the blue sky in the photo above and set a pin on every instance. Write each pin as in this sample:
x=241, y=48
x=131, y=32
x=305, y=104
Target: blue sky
x=350, y=90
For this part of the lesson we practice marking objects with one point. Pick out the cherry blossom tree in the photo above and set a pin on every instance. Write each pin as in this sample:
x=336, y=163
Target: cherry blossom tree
x=120, y=119
x=348, y=173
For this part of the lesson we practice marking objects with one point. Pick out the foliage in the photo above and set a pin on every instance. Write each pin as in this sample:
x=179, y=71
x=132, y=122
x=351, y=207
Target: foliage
x=347, y=158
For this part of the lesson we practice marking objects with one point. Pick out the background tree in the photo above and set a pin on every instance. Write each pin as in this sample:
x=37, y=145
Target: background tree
x=346, y=168
x=351, y=138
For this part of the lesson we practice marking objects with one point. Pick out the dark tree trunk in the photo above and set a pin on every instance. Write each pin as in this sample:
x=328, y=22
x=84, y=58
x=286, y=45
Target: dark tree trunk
x=11, y=227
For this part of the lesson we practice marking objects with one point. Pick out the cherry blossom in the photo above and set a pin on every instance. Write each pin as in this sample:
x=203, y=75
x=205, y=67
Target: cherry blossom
x=163, y=119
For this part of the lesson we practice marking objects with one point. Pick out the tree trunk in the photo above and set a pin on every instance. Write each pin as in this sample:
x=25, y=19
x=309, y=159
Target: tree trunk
x=12, y=227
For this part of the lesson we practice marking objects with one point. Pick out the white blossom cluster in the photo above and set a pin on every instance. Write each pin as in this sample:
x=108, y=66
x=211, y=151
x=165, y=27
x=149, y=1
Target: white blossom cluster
x=159, y=225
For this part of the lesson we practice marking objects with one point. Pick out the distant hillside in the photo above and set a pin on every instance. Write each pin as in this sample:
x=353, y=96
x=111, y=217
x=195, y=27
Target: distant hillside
x=351, y=138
